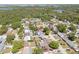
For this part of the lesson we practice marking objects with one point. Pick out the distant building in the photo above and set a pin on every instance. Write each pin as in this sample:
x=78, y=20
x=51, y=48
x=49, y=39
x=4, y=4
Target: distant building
x=59, y=11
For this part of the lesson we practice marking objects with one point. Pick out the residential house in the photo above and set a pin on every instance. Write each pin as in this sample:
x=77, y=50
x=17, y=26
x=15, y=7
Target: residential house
x=2, y=41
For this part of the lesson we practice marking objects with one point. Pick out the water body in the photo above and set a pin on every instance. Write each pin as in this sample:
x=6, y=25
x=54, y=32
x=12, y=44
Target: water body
x=59, y=10
x=6, y=8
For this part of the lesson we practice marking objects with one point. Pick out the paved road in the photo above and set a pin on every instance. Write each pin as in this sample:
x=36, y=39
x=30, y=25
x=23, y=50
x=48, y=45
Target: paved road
x=27, y=50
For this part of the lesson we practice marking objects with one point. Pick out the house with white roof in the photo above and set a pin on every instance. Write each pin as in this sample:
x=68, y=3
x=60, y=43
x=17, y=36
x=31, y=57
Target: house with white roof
x=27, y=34
x=2, y=41
x=40, y=34
x=26, y=38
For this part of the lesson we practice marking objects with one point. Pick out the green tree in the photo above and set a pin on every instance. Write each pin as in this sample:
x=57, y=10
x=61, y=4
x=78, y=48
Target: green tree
x=10, y=39
x=17, y=45
x=16, y=25
x=3, y=29
x=72, y=27
x=20, y=32
x=71, y=36
x=46, y=30
x=61, y=27
x=37, y=51
x=54, y=45
x=32, y=27
x=46, y=18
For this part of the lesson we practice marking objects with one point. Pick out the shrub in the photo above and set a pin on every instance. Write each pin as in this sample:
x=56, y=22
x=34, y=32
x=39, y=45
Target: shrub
x=71, y=36
x=10, y=38
x=16, y=25
x=46, y=30
x=32, y=27
x=72, y=27
x=54, y=44
x=3, y=30
x=17, y=45
x=61, y=27
x=37, y=51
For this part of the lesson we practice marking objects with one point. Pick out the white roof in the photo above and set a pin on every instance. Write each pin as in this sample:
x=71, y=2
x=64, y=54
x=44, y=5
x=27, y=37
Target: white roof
x=2, y=39
x=41, y=34
x=42, y=43
x=27, y=38
x=16, y=37
x=10, y=29
x=26, y=30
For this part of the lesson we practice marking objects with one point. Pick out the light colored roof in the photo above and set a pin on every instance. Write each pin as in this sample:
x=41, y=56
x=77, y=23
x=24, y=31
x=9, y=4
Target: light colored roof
x=40, y=33
x=3, y=39
x=27, y=38
x=27, y=30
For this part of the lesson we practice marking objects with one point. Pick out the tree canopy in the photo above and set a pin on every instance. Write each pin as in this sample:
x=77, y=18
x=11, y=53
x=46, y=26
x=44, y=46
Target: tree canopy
x=3, y=29
x=71, y=36
x=10, y=39
x=46, y=30
x=37, y=51
x=16, y=25
x=17, y=45
x=72, y=27
x=32, y=27
x=61, y=27
x=54, y=44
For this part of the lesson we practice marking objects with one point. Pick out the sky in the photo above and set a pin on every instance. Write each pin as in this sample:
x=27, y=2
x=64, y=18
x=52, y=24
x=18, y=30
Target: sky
x=39, y=1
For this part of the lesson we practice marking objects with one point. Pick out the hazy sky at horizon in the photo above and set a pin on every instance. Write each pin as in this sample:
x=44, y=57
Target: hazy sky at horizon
x=39, y=1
